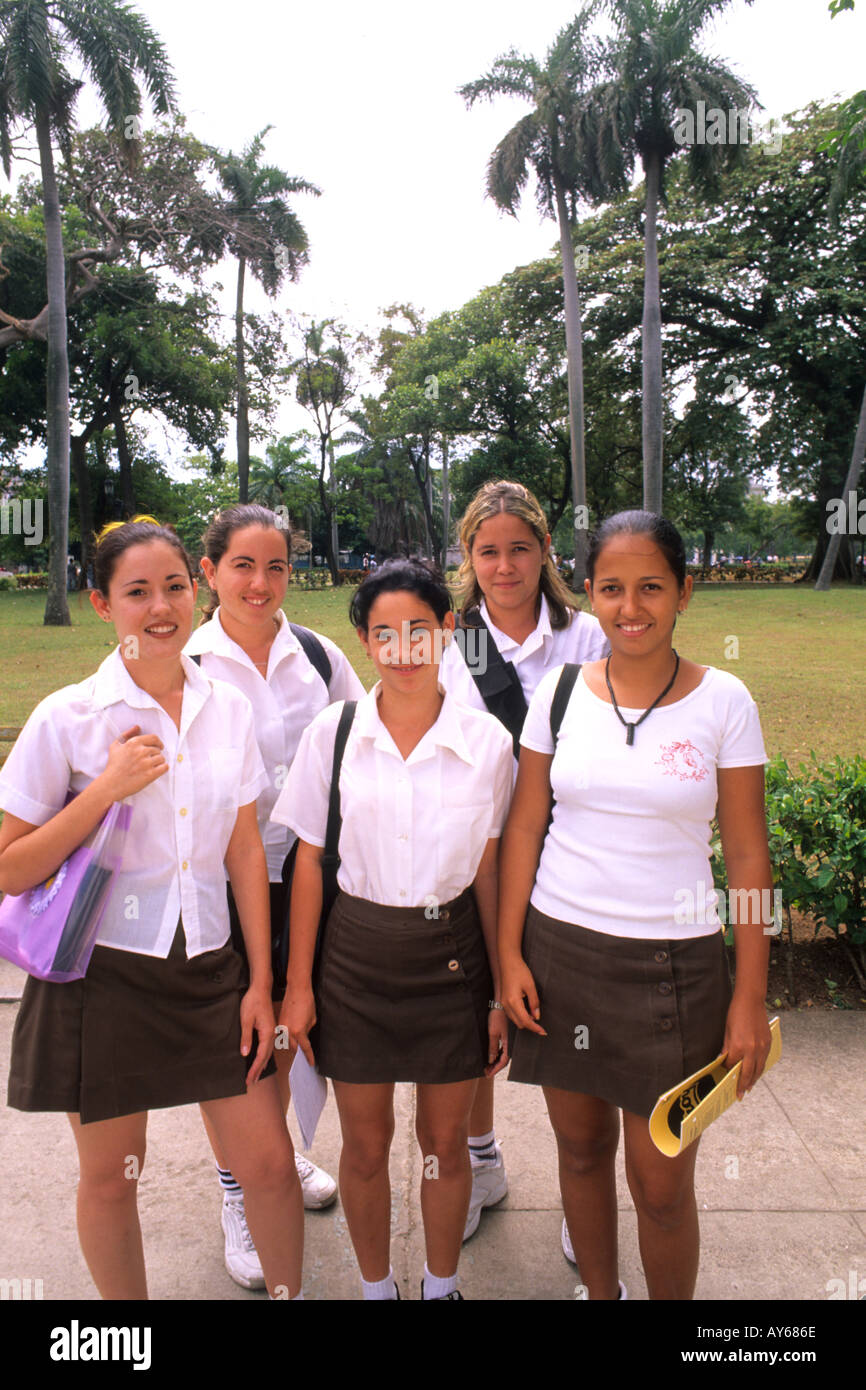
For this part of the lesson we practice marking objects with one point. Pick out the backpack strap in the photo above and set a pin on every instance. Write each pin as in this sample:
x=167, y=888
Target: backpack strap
x=561, y=696
x=314, y=651
x=497, y=681
x=331, y=852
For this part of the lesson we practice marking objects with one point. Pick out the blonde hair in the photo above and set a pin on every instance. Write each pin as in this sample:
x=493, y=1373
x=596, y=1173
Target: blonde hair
x=515, y=499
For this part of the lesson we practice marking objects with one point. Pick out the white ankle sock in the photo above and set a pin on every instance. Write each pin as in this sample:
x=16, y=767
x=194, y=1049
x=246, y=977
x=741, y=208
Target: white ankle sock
x=380, y=1289
x=482, y=1147
x=434, y=1287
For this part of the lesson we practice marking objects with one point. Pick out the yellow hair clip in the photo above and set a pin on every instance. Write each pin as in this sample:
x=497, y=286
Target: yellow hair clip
x=114, y=525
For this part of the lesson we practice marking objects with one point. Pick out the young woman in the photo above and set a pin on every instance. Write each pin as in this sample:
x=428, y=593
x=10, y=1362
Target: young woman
x=245, y=639
x=162, y=1017
x=529, y=619
x=407, y=984
x=615, y=999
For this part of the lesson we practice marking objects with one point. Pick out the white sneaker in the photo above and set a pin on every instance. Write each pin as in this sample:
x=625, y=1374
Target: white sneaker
x=489, y=1186
x=242, y=1262
x=318, y=1187
x=568, y=1252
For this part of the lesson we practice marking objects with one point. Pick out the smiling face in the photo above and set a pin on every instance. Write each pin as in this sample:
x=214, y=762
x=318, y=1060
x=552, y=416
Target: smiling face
x=635, y=595
x=404, y=640
x=507, y=558
x=150, y=600
x=251, y=578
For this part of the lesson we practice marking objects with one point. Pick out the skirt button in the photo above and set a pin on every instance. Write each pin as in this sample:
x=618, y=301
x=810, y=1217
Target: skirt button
x=453, y=965
x=667, y=1024
x=661, y=957
x=217, y=977
x=665, y=987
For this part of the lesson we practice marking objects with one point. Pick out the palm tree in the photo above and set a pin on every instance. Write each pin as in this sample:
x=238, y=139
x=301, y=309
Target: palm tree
x=266, y=236
x=658, y=73
x=115, y=45
x=557, y=142
x=325, y=385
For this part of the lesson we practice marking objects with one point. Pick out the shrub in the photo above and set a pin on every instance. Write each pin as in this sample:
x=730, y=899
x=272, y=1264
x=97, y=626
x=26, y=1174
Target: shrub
x=33, y=581
x=7, y=583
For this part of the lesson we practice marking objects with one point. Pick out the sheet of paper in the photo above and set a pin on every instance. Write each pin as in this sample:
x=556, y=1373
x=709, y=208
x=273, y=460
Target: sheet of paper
x=309, y=1093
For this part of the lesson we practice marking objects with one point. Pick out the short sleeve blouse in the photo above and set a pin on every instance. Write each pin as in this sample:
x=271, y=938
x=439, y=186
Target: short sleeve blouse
x=181, y=823
x=413, y=831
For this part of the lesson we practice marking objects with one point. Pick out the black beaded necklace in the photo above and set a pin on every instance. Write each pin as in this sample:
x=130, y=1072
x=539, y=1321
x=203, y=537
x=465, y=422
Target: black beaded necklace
x=631, y=727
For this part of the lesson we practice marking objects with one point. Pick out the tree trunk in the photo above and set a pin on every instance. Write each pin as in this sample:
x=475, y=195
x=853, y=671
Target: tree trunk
x=708, y=549
x=335, y=530
x=127, y=496
x=651, y=348
x=829, y=565
x=326, y=499
x=78, y=453
x=243, y=420
x=446, y=504
x=57, y=390
x=574, y=356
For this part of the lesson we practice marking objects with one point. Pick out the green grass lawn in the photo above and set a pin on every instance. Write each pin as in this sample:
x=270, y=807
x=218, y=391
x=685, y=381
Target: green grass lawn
x=801, y=654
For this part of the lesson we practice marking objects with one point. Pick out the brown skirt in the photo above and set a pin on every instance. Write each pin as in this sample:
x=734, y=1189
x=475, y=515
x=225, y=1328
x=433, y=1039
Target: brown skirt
x=137, y=1033
x=400, y=996
x=625, y=1018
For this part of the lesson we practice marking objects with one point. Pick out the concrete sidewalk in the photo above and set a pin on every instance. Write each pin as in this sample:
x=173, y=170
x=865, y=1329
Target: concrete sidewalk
x=781, y=1184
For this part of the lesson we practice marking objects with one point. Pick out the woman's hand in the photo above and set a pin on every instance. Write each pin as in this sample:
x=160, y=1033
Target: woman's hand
x=747, y=1039
x=298, y=1017
x=257, y=1012
x=518, y=986
x=497, y=1035
x=134, y=761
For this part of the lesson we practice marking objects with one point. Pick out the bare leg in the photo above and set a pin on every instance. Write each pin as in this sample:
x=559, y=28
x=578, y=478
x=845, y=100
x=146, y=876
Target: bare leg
x=111, y=1157
x=281, y=1059
x=587, y=1134
x=251, y=1134
x=481, y=1116
x=667, y=1215
x=442, y=1127
x=367, y=1123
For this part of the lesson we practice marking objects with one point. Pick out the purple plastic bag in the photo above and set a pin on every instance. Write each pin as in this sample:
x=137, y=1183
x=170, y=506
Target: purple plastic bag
x=50, y=930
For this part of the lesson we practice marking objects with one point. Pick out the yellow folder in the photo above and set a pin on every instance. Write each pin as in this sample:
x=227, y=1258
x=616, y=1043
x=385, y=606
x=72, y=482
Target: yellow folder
x=686, y=1110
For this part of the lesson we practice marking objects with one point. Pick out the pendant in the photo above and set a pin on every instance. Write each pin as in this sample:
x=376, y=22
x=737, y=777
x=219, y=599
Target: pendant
x=629, y=738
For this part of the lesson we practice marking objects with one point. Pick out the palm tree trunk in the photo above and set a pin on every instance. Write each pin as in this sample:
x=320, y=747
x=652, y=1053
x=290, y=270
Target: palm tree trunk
x=651, y=355
x=828, y=567
x=243, y=420
x=574, y=355
x=57, y=390
x=78, y=453
x=446, y=504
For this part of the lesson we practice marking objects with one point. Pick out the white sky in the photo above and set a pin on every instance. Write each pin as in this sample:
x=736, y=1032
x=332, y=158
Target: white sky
x=363, y=101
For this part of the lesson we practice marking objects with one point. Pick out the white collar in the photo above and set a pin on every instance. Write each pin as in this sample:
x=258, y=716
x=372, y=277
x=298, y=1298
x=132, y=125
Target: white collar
x=112, y=684
x=212, y=637
x=447, y=732
x=536, y=638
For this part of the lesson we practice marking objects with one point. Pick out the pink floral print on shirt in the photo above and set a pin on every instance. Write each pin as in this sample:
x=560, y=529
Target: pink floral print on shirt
x=683, y=760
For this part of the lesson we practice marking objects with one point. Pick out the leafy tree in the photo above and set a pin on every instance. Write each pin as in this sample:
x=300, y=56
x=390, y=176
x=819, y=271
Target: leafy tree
x=266, y=237
x=114, y=44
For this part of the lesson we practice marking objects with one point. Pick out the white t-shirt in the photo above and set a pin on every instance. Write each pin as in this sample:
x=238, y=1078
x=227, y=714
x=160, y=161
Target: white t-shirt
x=545, y=648
x=630, y=836
x=290, y=697
x=181, y=824
x=413, y=832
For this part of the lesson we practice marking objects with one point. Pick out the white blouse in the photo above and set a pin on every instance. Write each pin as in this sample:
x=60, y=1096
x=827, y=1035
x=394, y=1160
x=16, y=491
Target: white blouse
x=289, y=698
x=413, y=831
x=629, y=844
x=545, y=648
x=181, y=823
